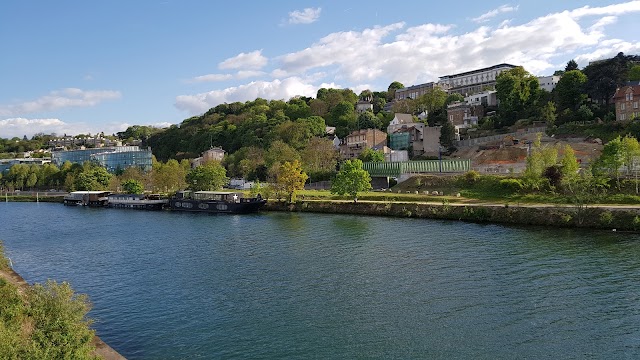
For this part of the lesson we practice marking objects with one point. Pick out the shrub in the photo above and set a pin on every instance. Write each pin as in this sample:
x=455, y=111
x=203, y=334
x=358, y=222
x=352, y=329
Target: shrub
x=471, y=176
x=606, y=218
x=512, y=185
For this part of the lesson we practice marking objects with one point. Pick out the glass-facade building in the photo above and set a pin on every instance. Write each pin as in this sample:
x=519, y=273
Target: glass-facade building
x=112, y=158
x=399, y=141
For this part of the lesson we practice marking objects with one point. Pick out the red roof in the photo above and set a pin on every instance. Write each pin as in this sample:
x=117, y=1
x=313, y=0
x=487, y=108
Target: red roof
x=620, y=93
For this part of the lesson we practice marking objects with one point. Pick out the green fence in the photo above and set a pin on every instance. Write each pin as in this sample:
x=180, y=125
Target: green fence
x=409, y=167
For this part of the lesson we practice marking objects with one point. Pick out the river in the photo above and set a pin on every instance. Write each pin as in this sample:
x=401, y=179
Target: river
x=169, y=285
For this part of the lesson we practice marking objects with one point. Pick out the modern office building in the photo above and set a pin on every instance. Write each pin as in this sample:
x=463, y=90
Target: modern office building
x=474, y=81
x=112, y=158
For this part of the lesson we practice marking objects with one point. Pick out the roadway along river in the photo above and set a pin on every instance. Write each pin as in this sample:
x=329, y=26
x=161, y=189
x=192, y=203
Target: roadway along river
x=279, y=285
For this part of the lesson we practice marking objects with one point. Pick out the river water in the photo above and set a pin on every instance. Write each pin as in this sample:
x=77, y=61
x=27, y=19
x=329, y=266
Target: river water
x=169, y=285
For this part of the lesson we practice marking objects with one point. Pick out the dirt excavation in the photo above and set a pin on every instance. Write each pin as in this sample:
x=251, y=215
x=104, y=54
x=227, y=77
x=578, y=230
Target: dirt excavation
x=509, y=154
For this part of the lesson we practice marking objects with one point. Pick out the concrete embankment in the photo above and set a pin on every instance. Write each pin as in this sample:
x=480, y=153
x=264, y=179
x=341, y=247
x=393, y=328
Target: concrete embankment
x=599, y=217
x=103, y=350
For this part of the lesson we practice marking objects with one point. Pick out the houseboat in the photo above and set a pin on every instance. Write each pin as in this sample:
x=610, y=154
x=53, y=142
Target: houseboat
x=137, y=201
x=215, y=202
x=87, y=198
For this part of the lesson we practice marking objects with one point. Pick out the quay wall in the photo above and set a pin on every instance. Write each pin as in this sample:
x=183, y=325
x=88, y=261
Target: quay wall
x=597, y=217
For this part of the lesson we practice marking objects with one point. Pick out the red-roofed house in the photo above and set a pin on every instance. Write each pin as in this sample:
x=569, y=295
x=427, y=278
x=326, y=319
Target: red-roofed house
x=627, y=100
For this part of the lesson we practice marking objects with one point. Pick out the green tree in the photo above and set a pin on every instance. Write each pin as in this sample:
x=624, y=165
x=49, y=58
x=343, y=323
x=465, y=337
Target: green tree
x=611, y=159
x=432, y=100
x=391, y=90
x=132, y=186
x=208, y=177
x=630, y=153
x=447, y=135
x=455, y=97
x=634, y=73
x=351, y=179
x=371, y=155
x=367, y=120
x=518, y=91
x=571, y=65
x=290, y=178
x=570, y=90
x=569, y=164
x=548, y=113
x=319, y=159
x=540, y=158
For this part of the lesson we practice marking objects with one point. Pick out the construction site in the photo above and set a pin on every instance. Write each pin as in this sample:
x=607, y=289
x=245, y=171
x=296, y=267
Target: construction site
x=507, y=154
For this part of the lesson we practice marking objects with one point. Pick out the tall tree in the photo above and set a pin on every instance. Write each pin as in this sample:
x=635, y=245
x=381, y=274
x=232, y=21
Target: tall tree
x=570, y=90
x=351, y=179
x=571, y=65
x=319, y=158
x=290, y=178
x=391, y=90
x=518, y=92
x=447, y=135
x=210, y=176
x=132, y=186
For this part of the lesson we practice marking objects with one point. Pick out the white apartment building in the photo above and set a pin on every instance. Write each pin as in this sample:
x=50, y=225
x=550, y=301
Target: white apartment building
x=548, y=82
x=474, y=81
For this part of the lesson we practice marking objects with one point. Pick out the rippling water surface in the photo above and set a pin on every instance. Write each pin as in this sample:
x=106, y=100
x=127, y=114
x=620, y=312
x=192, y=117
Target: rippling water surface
x=278, y=285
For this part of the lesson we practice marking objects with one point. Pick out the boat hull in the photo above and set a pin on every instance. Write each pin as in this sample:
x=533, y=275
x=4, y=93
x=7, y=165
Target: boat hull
x=215, y=207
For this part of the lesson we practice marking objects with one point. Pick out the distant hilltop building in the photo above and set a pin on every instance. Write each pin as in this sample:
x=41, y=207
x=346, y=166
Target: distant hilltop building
x=112, y=158
x=415, y=91
x=213, y=154
x=474, y=81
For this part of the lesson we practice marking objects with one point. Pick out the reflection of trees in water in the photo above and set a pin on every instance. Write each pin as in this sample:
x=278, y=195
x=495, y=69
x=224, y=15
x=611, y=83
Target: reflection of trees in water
x=351, y=227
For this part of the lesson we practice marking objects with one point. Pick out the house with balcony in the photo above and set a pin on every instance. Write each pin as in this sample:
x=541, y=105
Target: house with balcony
x=627, y=101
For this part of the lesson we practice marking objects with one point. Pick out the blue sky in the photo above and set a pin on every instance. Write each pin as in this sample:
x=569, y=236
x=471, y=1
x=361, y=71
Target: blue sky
x=87, y=66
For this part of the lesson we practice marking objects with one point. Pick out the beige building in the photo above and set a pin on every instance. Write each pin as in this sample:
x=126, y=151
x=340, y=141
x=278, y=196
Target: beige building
x=627, y=101
x=415, y=91
x=474, y=81
x=359, y=140
x=213, y=154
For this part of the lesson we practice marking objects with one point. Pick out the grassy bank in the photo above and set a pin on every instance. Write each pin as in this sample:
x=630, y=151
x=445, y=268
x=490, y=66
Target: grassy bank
x=45, y=321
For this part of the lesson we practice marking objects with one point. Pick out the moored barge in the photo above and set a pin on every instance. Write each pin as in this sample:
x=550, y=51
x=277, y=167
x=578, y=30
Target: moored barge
x=215, y=202
x=137, y=201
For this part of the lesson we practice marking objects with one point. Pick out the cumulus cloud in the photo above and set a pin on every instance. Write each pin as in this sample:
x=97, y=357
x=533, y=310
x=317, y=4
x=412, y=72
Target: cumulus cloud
x=422, y=53
x=493, y=13
x=306, y=16
x=70, y=97
x=615, y=9
x=248, y=61
x=276, y=89
x=19, y=127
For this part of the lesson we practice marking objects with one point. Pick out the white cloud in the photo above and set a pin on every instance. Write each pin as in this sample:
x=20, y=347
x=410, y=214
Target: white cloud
x=306, y=16
x=251, y=61
x=212, y=78
x=382, y=54
x=493, y=13
x=276, y=89
x=70, y=97
x=615, y=9
x=19, y=127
